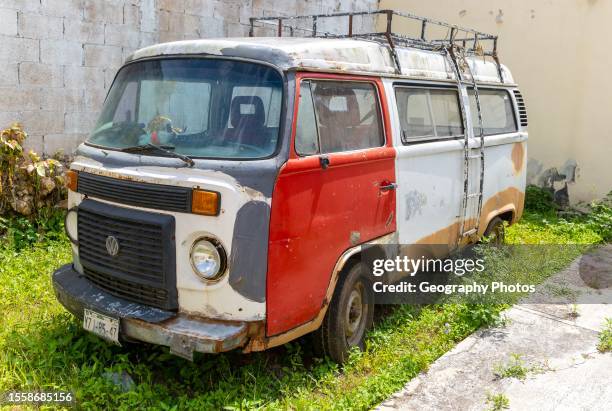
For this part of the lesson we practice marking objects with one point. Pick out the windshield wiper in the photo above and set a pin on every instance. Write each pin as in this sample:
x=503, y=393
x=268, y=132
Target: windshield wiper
x=144, y=148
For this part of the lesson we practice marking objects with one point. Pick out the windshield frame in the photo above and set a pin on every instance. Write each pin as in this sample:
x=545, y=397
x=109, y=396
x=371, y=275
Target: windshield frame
x=283, y=106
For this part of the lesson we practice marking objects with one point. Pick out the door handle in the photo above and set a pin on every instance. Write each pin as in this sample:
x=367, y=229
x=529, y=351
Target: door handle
x=387, y=186
x=324, y=161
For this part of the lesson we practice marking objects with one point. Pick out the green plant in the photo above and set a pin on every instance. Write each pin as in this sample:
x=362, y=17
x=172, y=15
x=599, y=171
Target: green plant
x=539, y=199
x=498, y=402
x=605, y=337
x=20, y=232
x=28, y=183
x=600, y=217
x=514, y=368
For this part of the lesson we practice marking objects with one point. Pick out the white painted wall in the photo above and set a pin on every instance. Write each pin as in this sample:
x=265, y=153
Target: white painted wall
x=557, y=53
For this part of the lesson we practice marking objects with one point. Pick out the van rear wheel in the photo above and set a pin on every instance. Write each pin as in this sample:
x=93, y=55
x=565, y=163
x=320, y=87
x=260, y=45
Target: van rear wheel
x=349, y=316
x=496, y=232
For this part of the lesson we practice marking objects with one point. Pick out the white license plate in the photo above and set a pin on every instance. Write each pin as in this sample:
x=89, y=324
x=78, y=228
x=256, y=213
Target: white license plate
x=102, y=325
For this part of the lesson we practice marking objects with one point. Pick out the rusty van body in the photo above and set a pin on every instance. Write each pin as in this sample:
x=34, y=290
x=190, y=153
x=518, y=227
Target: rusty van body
x=230, y=185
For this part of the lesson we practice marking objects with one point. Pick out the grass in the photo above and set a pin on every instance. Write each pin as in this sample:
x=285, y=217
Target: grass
x=605, y=337
x=515, y=368
x=44, y=348
x=498, y=402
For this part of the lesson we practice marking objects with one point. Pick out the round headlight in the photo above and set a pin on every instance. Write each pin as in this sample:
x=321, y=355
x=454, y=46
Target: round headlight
x=70, y=225
x=208, y=259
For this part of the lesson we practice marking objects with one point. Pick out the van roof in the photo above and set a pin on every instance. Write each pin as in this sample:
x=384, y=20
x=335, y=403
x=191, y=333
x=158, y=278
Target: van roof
x=345, y=55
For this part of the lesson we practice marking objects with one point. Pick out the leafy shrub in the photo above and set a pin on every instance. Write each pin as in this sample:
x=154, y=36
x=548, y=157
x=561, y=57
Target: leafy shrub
x=600, y=217
x=28, y=183
x=20, y=232
x=30, y=188
x=539, y=199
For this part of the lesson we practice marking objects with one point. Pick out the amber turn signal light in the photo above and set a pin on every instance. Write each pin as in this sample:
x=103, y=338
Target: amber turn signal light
x=72, y=179
x=205, y=202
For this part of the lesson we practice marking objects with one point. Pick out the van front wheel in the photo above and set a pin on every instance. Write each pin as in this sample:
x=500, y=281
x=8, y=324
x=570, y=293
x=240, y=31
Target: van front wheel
x=349, y=317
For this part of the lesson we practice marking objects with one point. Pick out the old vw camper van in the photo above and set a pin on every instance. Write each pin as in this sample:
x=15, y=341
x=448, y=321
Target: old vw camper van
x=225, y=195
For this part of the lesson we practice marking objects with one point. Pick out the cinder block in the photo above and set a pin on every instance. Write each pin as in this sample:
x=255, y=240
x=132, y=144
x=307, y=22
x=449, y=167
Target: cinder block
x=212, y=27
x=102, y=56
x=8, y=74
x=163, y=18
x=103, y=11
x=41, y=122
x=37, y=74
x=10, y=117
x=80, y=122
x=176, y=22
x=36, y=26
x=191, y=28
x=20, y=98
x=78, y=76
x=167, y=36
x=148, y=16
x=16, y=50
x=61, y=52
x=84, y=31
x=21, y=5
x=200, y=7
x=171, y=5
x=62, y=8
x=34, y=142
x=94, y=97
x=237, y=30
x=70, y=98
x=227, y=11
x=131, y=16
x=147, y=39
x=62, y=143
x=121, y=35
x=8, y=19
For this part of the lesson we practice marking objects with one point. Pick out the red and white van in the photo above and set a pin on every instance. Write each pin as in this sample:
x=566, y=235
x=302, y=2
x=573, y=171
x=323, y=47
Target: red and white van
x=230, y=185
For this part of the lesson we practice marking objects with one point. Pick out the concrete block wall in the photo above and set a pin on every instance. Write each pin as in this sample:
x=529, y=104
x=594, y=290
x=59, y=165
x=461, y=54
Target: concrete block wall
x=58, y=57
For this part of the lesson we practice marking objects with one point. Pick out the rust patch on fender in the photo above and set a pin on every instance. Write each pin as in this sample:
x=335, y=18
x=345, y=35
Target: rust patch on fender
x=510, y=199
x=518, y=157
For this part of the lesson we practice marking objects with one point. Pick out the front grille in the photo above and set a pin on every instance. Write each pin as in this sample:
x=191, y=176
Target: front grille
x=522, y=108
x=143, y=270
x=158, y=196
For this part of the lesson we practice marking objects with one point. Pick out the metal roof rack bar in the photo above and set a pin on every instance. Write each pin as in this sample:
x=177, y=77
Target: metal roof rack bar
x=468, y=41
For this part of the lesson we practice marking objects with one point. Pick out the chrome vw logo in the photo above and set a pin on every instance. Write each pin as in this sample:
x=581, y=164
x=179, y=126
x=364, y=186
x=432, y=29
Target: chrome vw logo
x=112, y=245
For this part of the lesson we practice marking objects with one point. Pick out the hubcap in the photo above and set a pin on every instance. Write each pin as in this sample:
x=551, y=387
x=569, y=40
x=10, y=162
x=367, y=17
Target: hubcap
x=355, y=315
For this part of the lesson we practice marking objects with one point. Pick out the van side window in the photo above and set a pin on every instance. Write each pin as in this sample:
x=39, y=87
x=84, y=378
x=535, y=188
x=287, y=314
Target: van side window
x=306, y=133
x=428, y=113
x=497, y=112
x=348, y=115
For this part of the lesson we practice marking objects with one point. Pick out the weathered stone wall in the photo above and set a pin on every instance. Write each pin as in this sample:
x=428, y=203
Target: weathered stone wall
x=58, y=57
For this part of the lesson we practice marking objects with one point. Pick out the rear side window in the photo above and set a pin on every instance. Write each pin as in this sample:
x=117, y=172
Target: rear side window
x=497, y=112
x=428, y=113
x=335, y=116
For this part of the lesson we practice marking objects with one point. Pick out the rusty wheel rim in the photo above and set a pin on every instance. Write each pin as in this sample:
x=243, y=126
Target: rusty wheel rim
x=355, y=315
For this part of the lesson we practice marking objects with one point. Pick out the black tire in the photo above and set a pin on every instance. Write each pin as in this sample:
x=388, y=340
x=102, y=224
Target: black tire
x=349, y=316
x=496, y=232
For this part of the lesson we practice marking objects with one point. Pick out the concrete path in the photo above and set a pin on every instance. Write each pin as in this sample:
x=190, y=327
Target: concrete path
x=556, y=342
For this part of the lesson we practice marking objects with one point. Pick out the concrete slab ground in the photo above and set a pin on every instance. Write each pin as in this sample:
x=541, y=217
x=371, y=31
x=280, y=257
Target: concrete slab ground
x=556, y=343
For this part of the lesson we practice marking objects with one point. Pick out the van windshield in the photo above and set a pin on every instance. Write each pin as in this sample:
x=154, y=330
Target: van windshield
x=209, y=108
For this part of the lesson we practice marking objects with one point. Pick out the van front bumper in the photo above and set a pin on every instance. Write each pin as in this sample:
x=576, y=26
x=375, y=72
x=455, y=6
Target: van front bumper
x=184, y=334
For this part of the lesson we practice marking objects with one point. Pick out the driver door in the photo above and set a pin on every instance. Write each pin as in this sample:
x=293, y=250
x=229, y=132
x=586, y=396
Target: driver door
x=335, y=192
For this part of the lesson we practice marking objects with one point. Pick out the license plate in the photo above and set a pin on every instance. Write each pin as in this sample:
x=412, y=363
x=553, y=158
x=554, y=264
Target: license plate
x=102, y=325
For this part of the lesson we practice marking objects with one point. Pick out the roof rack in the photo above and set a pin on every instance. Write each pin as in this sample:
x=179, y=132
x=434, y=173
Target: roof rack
x=458, y=40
